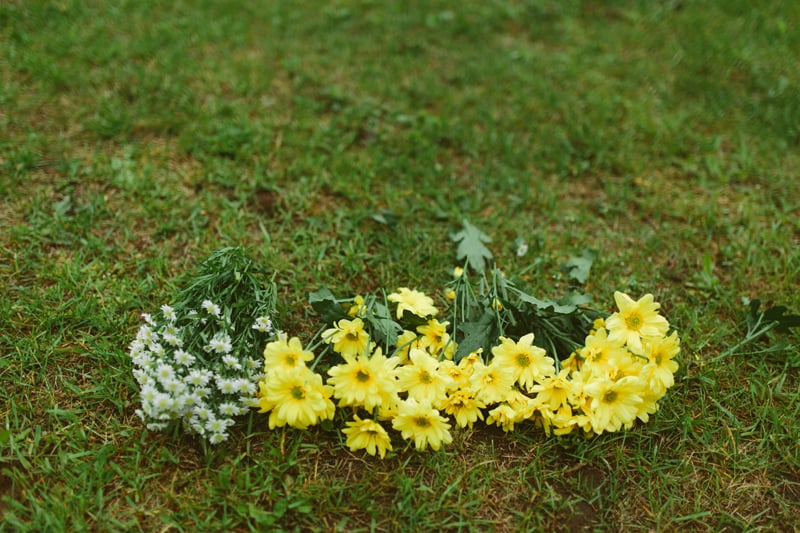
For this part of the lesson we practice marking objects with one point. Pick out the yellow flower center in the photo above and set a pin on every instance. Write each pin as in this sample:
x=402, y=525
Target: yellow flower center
x=362, y=376
x=425, y=377
x=298, y=393
x=291, y=360
x=352, y=337
x=610, y=396
x=422, y=421
x=633, y=321
x=523, y=360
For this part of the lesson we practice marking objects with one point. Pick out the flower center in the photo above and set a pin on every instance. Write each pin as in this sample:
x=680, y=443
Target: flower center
x=610, y=396
x=352, y=337
x=362, y=376
x=298, y=393
x=425, y=377
x=422, y=421
x=523, y=360
x=290, y=360
x=633, y=321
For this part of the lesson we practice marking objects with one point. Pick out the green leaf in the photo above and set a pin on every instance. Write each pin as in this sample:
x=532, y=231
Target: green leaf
x=776, y=315
x=324, y=303
x=546, y=305
x=471, y=248
x=578, y=268
x=478, y=334
x=384, y=329
x=785, y=322
x=574, y=299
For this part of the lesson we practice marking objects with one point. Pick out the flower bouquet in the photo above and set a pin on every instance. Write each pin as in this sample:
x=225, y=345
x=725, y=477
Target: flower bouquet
x=196, y=361
x=400, y=364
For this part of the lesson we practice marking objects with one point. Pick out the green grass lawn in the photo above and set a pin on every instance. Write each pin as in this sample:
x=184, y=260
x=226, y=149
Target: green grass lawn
x=136, y=137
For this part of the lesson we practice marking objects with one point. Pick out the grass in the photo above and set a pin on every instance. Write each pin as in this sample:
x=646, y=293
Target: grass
x=137, y=137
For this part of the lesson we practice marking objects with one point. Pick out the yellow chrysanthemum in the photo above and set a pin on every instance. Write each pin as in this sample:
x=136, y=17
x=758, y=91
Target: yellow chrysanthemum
x=422, y=379
x=613, y=404
x=600, y=353
x=423, y=424
x=472, y=361
x=348, y=337
x=415, y=302
x=564, y=421
x=659, y=371
x=405, y=341
x=636, y=321
x=296, y=397
x=555, y=391
x=434, y=337
x=522, y=404
x=367, y=435
x=492, y=383
x=503, y=416
x=364, y=381
x=460, y=374
x=285, y=354
x=528, y=362
x=357, y=309
x=464, y=407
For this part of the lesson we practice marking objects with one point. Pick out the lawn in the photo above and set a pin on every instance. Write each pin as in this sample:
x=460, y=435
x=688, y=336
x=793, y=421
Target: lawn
x=342, y=143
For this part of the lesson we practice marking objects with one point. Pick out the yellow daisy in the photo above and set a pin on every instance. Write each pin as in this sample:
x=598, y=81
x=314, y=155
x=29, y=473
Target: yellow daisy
x=555, y=391
x=659, y=371
x=423, y=423
x=415, y=302
x=285, y=354
x=614, y=404
x=464, y=407
x=367, y=435
x=405, y=341
x=297, y=398
x=358, y=309
x=434, y=337
x=348, y=337
x=364, y=381
x=503, y=416
x=635, y=321
x=422, y=379
x=528, y=362
x=492, y=383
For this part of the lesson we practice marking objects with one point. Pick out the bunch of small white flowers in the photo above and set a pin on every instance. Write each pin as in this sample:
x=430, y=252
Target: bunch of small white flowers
x=205, y=387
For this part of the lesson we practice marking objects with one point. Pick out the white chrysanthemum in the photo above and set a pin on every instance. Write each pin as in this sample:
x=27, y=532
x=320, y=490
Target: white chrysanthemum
x=202, y=412
x=136, y=347
x=227, y=386
x=231, y=362
x=228, y=409
x=168, y=312
x=221, y=343
x=245, y=386
x=174, y=386
x=216, y=438
x=263, y=324
x=157, y=350
x=173, y=340
x=146, y=335
x=165, y=373
x=211, y=308
x=184, y=358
